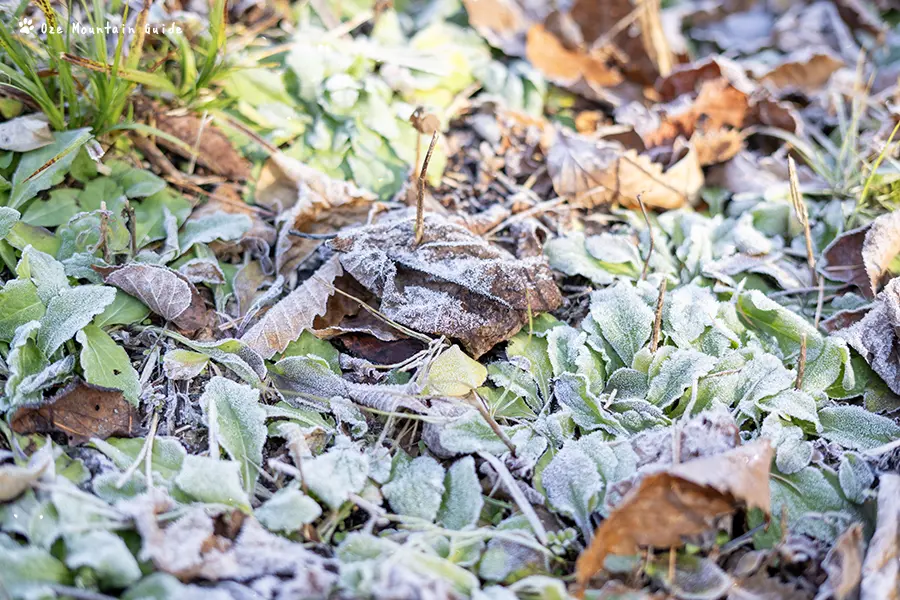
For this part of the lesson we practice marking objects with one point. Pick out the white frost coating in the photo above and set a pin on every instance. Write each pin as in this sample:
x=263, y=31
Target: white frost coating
x=416, y=488
x=341, y=471
x=47, y=273
x=688, y=311
x=214, y=481
x=107, y=554
x=288, y=510
x=240, y=424
x=68, y=312
x=462, y=502
x=856, y=428
x=678, y=373
x=573, y=485
x=163, y=291
x=569, y=255
x=623, y=319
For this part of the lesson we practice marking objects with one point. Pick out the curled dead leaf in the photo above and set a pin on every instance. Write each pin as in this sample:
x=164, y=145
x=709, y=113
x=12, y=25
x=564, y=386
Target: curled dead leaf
x=166, y=292
x=598, y=172
x=80, y=411
x=844, y=564
x=453, y=283
x=881, y=568
x=287, y=320
x=685, y=500
x=591, y=70
x=861, y=256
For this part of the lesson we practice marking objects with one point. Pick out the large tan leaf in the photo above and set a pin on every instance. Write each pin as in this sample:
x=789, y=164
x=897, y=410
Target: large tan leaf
x=593, y=172
x=285, y=321
x=881, y=568
x=685, y=500
x=861, y=256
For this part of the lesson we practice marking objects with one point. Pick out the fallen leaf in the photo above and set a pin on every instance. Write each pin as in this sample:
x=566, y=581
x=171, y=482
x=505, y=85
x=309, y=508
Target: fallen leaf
x=861, y=256
x=881, y=568
x=875, y=336
x=453, y=283
x=284, y=322
x=213, y=149
x=502, y=23
x=28, y=132
x=576, y=69
x=598, y=172
x=685, y=500
x=844, y=564
x=15, y=479
x=166, y=292
x=806, y=70
x=81, y=411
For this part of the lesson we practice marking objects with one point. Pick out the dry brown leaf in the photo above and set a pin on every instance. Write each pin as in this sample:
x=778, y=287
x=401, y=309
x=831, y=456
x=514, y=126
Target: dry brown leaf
x=502, y=23
x=844, y=564
x=570, y=68
x=214, y=150
x=453, y=284
x=598, y=172
x=166, y=292
x=81, y=411
x=685, y=500
x=287, y=320
x=876, y=336
x=881, y=568
x=805, y=71
x=14, y=480
x=861, y=256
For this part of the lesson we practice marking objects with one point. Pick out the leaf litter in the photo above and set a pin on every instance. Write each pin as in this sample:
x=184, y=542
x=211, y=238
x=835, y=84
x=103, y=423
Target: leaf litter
x=491, y=299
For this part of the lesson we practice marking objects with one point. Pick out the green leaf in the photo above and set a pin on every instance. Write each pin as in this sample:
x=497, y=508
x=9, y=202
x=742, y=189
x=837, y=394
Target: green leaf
x=39, y=168
x=308, y=344
x=106, y=364
x=462, y=502
x=8, y=218
x=288, y=510
x=341, y=471
x=47, y=273
x=27, y=569
x=856, y=428
x=106, y=554
x=19, y=304
x=454, y=373
x=69, y=312
x=855, y=476
x=124, y=310
x=468, y=434
x=533, y=349
x=213, y=481
x=621, y=319
x=681, y=370
x=184, y=364
x=53, y=212
x=231, y=353
x=238, y=422
x=416, y=487
x=217, y=226
x=166, y=458
x=23, y=235
x=100, y=190
x=138, y=183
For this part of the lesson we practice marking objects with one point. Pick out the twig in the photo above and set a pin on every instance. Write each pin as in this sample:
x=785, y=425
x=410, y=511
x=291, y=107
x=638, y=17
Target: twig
x=104, y=231
x=132, y=227
x=801, y=363
x=313, y=236
x=513, y=488
x=650, y=232
x=657, y=322
x=495, y=427
x=148, y=456
x=820, y=299
x=420, y=200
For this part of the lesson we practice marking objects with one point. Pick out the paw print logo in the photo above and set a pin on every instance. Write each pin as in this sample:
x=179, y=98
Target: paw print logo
x=26, y=26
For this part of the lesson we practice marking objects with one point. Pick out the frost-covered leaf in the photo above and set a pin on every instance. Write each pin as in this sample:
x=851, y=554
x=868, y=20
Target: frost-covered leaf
x=106, y=554
x=856, y=428
x=68, y=312
x=468, y=434
x=529, y=350
x=855, y=476
x=793, y=404
x=27, y=570
x=285, y=321
x=288, y=510
x=165, y=459
x=16, y=479
x=184, y=364
x=138, y=183
x=569, y=255
x=238, y=422
x=106, y=364
x=678, y=373
x=462, y=501
x=622, y=320
x=453, y=373
x=231, y=353
x=45, y=272
x=341, y=471
x=19, y=304
x=124, y=310
x=164, y=291
x=589, y=411
x=573, y=485
x=8, y=218
x=687, y=312
x=416, y=487
x=213, y=481
x=216, y=226
x=23, y=360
